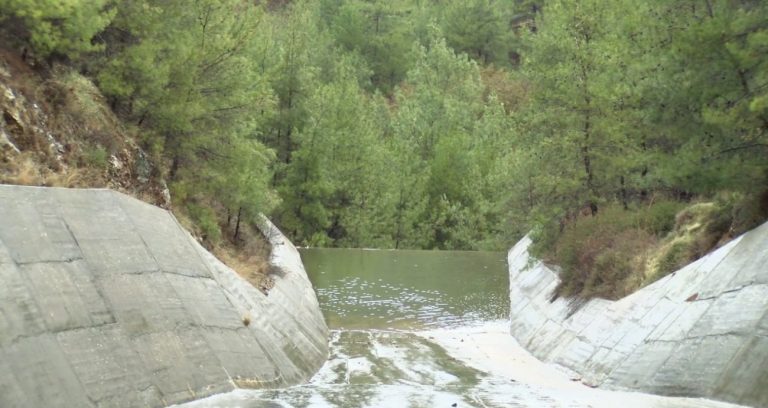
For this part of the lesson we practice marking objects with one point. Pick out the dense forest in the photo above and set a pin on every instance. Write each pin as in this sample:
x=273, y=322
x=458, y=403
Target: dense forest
x=436, y=124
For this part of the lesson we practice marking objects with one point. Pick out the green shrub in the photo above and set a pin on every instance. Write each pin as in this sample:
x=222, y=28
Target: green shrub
x=597, y=255
x=94, y=157
x=606, y=255
x=51, y=26
x=544, y=236
x=673, y=258
x=180, y=191
x=205, y=219
x=716, y=227
x=747, y=210
x=659, y=218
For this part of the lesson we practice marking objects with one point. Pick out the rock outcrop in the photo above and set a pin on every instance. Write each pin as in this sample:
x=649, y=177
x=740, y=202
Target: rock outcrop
x=701, y=331
x=107, y=301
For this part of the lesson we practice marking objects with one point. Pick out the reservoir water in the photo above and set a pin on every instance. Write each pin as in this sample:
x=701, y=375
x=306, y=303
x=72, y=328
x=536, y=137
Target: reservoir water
x=426, y=329
x=408, y=290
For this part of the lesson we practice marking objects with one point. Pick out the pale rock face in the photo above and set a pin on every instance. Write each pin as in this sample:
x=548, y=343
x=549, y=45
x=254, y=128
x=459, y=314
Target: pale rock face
x=5, y=143
x=700, y=332
x=107, y=301
x=9, y=117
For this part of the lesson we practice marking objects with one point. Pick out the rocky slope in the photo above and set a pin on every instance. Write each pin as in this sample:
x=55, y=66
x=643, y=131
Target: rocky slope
x=56, y=129
x=701, y=331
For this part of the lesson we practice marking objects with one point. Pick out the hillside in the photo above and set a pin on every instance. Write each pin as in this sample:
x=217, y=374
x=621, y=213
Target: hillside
x=57, y=130
x=628, y=138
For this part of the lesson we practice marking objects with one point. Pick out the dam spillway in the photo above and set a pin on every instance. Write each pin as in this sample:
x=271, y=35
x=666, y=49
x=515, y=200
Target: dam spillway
x=107, y=301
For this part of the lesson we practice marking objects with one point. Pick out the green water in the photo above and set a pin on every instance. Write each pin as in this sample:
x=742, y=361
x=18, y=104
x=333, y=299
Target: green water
x=408, y=289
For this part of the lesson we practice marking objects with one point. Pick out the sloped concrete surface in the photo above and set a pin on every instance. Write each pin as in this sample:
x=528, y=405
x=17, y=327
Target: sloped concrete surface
x=699, y=332
x=107, y=301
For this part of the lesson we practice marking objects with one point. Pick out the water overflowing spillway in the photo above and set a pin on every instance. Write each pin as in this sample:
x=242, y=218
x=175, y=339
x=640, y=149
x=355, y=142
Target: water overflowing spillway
x=426, y=329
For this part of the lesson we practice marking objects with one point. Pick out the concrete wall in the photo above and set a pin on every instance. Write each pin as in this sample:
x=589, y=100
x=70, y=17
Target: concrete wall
x=107, y=301
x=701, y=331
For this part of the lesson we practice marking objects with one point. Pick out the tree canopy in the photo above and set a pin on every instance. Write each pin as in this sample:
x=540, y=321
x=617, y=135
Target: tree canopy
x=451, y=124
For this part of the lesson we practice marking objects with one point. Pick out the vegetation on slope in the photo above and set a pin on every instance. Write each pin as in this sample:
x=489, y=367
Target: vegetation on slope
x=57, y=130
x=439, y=124
x=617, y=251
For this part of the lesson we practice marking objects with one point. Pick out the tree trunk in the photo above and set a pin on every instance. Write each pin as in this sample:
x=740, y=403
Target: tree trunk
x=237, y=225
x=175, y=164
x=585, y=153
x=710, y=12
x=399, y=220
x=142, y=119
x=623, y=193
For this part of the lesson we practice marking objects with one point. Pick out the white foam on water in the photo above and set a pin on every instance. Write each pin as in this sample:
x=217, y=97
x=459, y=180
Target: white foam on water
x=485, y=367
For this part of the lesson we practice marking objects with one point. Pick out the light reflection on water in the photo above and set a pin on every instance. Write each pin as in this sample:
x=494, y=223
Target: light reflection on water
x=406, y=289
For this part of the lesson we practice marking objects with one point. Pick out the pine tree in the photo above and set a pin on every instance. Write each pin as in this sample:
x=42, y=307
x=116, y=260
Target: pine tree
x=65, y=28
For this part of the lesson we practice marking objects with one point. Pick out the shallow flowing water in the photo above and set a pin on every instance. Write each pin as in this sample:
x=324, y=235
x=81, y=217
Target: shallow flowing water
x=426, y=329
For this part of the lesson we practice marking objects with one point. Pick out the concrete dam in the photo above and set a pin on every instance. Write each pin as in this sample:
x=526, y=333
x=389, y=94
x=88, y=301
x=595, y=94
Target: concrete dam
x=701, y=331
x=107, y=301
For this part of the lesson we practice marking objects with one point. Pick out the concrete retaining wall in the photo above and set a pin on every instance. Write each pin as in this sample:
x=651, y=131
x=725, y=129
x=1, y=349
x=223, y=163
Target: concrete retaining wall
x=107, y=301
x=701, y=331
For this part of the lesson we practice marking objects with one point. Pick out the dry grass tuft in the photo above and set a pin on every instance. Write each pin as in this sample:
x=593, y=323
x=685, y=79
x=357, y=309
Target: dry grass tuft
x=83, y=110
x=22, y=171
x=26, y=170
x=254, y=267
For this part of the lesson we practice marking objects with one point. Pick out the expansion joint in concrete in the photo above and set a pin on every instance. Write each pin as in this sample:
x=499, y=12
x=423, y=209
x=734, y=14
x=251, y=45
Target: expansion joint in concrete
x=50, y=261
x=705, y=336
x=92, y=326
x=723, y=293
x=19, y=338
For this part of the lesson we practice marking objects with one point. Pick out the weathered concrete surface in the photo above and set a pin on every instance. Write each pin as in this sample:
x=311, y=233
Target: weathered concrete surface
x=701, y=331
x=107, y=301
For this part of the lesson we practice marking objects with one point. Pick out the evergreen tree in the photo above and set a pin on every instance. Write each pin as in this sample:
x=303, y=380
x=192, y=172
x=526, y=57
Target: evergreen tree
x=479, y=28
x=710, y=101
x=65, y=28
x=452, y=124
x=335, y=188
x=187, y=76
x=575, y=124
